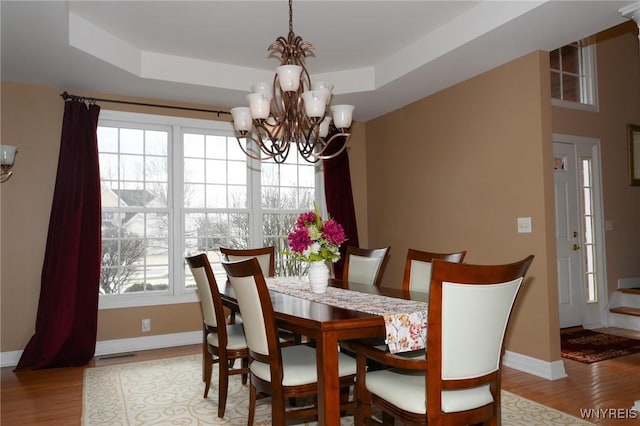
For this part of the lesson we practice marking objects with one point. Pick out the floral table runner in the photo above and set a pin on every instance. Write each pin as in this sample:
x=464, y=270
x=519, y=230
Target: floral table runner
x=405, y=320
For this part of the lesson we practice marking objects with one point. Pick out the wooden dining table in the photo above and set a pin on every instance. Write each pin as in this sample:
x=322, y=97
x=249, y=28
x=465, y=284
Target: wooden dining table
x=326, y=325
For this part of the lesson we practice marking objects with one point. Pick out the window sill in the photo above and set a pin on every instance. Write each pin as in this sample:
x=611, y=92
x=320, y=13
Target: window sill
x=574, y=105
x=132, y=301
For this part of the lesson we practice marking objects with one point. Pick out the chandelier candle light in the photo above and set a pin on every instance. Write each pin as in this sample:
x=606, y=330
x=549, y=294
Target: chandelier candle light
x=7, y=158
x=316, y=241
x=292, y=110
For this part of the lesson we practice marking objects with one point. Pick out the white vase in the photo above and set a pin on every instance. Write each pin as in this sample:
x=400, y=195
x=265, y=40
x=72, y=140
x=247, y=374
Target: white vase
x=318, y=276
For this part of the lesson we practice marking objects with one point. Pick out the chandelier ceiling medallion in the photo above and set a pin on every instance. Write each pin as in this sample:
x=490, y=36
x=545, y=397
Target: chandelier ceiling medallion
x=291, y=110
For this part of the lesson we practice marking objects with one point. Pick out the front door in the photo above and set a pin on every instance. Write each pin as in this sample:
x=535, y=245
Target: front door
x=579, y=237
x=568, y=234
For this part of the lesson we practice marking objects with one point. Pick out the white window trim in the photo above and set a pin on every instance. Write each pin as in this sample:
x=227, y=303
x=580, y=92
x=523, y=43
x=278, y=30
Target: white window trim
x=176, y=270
x=176, y=168
x=588, y=60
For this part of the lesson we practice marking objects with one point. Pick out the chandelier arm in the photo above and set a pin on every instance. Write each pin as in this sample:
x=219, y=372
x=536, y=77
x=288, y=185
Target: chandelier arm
x=319, y=154
x=250, y=154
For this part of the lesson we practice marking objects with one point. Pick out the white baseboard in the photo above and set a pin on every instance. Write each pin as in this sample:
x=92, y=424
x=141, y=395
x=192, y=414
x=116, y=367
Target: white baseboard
x=109, y=347
x=10, y=359
x=545, y=369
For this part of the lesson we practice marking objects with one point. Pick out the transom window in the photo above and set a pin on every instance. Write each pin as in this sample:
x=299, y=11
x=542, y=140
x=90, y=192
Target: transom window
x=573, y=82
x=173, y=187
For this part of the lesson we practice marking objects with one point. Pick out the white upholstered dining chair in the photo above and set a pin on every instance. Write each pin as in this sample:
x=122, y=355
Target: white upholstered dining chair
x=459, y=381
x=265, y=255
x=222, y=343
x=277, y=371
x=366, y=266
x=417, y=268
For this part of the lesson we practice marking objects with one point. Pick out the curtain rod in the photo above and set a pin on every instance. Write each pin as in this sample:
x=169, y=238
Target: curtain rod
x=67, y=96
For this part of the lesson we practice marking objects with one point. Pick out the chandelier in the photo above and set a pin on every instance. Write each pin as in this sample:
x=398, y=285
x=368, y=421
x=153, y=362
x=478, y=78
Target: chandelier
x=291, y=110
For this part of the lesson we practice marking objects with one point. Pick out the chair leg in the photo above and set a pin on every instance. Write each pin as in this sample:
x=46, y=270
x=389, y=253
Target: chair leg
x=223, y=385
x=205, y=354
x=245, y=364
x=362, y=395
x=207, y=370
x=278, y=409
x=252, y=405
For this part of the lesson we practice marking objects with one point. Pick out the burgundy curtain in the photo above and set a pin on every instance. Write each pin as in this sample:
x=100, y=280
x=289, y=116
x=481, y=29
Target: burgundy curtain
x=66, y=324
x=337, y=188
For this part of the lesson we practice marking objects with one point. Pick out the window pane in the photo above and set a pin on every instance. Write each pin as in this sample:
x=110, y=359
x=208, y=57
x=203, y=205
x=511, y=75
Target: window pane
x=570, y=88
x=194, y=196
x=554, y=59
x=216, y=196
x=216, y=171
x=556, y=87
x=570, y=59
x=217, y=147
x=156, y=143
x=237, y=197
x=237, y=172
x=131, y=141
x=193, y=145
x=587, y=201
x=107, y=139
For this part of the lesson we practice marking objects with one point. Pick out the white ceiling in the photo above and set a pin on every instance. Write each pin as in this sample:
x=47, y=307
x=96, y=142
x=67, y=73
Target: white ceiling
x=380, y=55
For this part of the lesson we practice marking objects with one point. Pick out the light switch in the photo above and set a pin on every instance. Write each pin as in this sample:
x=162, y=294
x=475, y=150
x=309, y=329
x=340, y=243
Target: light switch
x=524, y=225
x=608, y=225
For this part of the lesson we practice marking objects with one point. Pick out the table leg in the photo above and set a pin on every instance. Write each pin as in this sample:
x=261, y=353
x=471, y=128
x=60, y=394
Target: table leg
x=328, y=380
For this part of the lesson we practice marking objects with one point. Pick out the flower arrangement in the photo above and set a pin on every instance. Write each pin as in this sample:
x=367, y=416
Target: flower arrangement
x=314, y=239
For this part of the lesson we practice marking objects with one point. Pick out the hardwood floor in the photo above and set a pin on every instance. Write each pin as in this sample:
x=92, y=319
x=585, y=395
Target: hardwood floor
x=54, y=397
x=606, y=385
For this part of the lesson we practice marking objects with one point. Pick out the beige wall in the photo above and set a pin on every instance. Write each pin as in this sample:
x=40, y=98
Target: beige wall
x=455, y=170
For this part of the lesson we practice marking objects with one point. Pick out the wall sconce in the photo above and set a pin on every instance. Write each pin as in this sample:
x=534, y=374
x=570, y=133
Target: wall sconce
x=7, y=158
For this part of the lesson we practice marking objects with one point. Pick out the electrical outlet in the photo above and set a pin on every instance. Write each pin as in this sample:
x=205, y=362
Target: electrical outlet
x=146, y=325
x=524, y=225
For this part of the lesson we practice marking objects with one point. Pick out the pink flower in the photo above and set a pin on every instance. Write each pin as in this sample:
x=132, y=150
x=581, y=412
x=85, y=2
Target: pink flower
x=299, y=239
x=333, y=232
x=306, y=219
x=314, y=239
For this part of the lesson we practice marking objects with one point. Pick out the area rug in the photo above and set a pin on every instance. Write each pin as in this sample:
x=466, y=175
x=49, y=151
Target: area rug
x=169, y=392
x=590, y=346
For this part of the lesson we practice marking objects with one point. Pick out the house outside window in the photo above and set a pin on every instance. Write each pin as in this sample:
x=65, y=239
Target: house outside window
x=173, y=187
x=573, y=75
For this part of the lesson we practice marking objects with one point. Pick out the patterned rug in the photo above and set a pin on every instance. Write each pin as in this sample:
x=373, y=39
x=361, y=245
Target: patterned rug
x=590, y=346
x=169, y=392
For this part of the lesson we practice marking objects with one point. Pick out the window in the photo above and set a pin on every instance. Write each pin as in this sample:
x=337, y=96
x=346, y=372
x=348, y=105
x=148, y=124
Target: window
x=589, y=223
x=173, y=187
x=573, y=82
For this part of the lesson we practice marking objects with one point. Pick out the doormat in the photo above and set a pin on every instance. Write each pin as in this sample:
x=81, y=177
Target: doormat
x=590, y=346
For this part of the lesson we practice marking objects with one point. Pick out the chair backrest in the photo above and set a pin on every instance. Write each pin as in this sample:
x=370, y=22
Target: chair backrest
x=255, y=306
x=365, y=266
x=469, y=310
x=417, y=268
x=207, y=289
x=265, y=255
